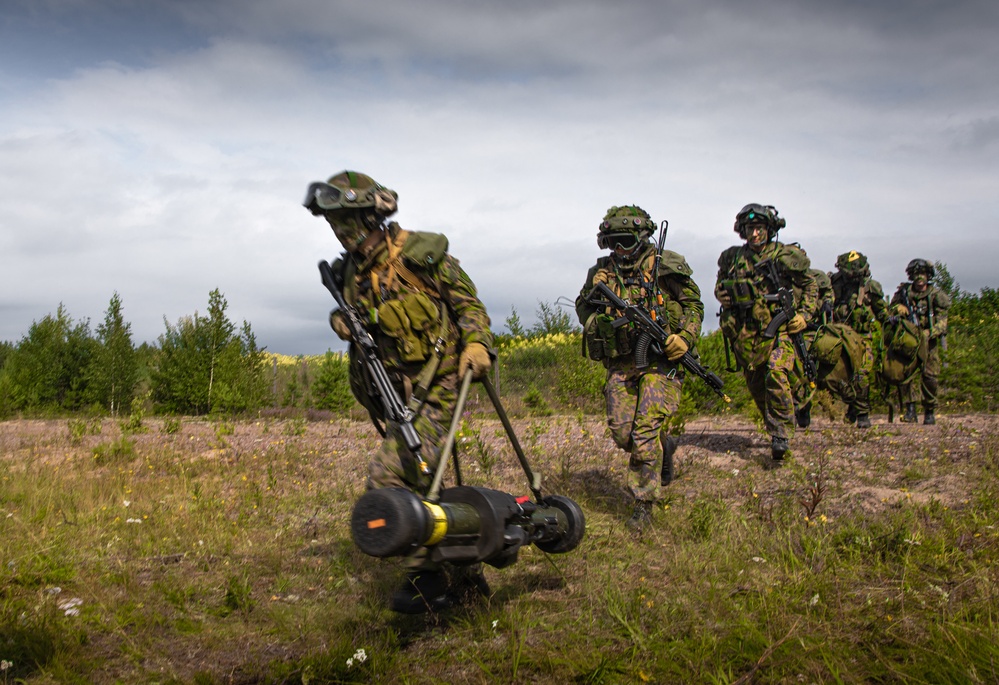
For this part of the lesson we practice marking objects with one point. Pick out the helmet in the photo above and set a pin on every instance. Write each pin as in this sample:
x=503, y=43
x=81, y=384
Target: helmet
x=853, y=264
x=917, y=266
x=626, y=227
x=754, y=213
x=350, y=190
x=353, y=204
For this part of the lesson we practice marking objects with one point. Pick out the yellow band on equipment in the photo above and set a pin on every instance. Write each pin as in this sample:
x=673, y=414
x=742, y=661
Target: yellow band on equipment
x=440, y=523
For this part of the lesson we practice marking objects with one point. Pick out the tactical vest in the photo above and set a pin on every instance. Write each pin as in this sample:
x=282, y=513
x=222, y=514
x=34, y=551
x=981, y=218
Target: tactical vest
x=635, y=285
x=853, y=304
x=401, y=306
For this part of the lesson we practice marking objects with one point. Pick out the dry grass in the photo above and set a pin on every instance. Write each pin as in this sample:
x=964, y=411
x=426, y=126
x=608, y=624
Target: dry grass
x=220, y=552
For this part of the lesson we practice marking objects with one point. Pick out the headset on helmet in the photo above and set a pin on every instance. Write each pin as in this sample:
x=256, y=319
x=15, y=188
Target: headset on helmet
x=627, y=224
x=350, y=190
x=917, y=266
x=756, y=213
x=853, y=264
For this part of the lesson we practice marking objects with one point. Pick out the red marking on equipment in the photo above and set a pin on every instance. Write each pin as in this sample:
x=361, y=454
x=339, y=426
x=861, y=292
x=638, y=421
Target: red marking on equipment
x=522, y=499
x=377, y=523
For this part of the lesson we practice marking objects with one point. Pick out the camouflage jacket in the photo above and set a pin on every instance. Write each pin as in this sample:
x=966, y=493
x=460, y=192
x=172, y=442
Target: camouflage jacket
x=409, y=293
x=681, y=312
x=930, y=307
x=745, y=319
x=858, y=304
x=824, y=302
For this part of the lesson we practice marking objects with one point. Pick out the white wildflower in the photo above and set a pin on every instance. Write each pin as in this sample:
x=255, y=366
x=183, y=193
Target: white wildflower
x=4, y=665
x=127, y=503
x=133, y=520
x=71, y=606
x=814, y=600
x=759, y=560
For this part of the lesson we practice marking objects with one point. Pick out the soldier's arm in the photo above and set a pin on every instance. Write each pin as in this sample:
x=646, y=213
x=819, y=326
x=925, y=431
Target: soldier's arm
x=676, y=278
x=941, y=307
x=876, y=297
x=685, y=292
x=798, y=269
x=583, y=308
x=473, y=321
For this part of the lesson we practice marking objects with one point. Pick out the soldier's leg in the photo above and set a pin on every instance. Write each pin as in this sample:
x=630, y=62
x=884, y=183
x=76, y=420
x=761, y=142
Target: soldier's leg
x=658, y=399
x=756, y=383
x=779, y=417
x=930, y=384
x=621, y=396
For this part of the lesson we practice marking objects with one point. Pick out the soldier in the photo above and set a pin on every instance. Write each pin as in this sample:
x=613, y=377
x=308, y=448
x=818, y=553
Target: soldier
x=859, y=302
x=742, y=284
x=423, y=312
x=641, y=401
x=927, y=306
x=803, y=390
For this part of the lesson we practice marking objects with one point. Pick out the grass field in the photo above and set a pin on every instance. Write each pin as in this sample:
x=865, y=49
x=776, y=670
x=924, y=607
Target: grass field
x=192, y=551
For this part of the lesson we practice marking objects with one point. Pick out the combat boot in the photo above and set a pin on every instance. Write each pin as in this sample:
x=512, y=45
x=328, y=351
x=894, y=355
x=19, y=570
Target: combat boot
x=928, y=418
x=910, y=413
x=803, y=416
x=641, y=516
x=863, y=421
x=669, y=449
x=420, y=592
x=467, y=583
x=851, y=415
x=778, y=449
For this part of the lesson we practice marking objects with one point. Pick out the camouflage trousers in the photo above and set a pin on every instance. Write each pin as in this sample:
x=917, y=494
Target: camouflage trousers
x=851, y=386
x=639, y=404
x=772, y=388
x=395, y=466
x=926, y=390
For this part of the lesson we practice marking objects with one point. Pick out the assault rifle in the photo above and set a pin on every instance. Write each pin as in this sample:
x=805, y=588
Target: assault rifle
x=394, y=409
x=651, y=333
x=784, y=297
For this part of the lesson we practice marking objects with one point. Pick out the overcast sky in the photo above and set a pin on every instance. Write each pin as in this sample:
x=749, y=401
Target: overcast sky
x=163, y=149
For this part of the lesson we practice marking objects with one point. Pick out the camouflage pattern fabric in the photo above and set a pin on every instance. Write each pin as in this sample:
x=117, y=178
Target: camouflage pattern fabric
x=860, y=304
x=639, y=404
x=772, y=387
x=376, y=281
x=930, y=308
x=769, y=366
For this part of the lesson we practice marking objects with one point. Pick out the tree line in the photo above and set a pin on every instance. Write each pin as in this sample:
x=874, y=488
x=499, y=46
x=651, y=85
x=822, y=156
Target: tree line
x=206, y=364
x=201, y=364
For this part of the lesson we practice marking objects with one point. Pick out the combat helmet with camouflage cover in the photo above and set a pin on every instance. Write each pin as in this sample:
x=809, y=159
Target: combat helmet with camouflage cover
x=853, y=265
x=353, y=203
x=919, y=266
x=755, y=213
x=625, y=226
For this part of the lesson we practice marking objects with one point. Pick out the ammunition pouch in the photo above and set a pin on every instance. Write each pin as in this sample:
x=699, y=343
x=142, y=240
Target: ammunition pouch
x=742, y=292
x=409, y=320
x=601, y=341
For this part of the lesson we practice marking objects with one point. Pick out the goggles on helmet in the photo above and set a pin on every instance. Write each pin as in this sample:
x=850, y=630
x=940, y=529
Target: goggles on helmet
x=323, y=197
x=624, y=240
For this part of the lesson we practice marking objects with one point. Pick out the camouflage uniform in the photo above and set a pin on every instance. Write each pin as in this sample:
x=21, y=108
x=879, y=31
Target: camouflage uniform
x=859, y=302
x=641, y=401
x=767, y=365
x=369, y=289
x=427, y=321
x=929, y=307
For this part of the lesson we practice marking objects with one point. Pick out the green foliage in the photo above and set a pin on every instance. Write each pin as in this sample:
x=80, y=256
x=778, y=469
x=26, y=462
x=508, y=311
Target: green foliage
x=114, y=370
x=331, y=387
x=552, y=320
x=47, y=370
x=120, y=451
x=204, y=366
x=514, y=325
x=970, y=377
